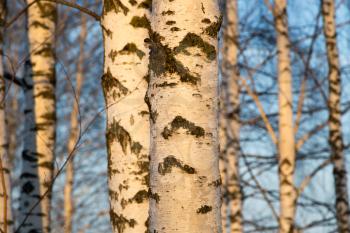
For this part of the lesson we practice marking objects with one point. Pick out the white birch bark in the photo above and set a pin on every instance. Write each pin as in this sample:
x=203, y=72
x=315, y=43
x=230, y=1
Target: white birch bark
x=39, y=145
x=74, y=134
x=183, y=95
x=231, y=90
x=125, y=27
x=334, y=121
x=286, y=143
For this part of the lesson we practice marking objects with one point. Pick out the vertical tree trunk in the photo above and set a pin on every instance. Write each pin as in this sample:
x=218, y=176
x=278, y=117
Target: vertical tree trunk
x=74, y=134
x=334, y=121
x=38, y=154
x=5, y=186
x=124, y=83
x=29, y=174
x=231, y=91
x=223, y=161
x=286, y=133
x=183, y=95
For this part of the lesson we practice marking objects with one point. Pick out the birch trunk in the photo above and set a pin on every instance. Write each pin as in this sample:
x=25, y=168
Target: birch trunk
x=183, y=95
x=231, y=91
x=5, y=186
x=38, y=154
x=286, y=143
x=29, y=174
x=223, y=161
x=125, y=25
x=74, y=135
x=334, y=121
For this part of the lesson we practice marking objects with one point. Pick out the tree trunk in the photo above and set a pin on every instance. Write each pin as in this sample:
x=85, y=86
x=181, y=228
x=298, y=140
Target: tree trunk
x=38, y=154
x=74, y=135
x=5, y=186
x=230, y=87
x=183, y=98
x=334, y=121
x=225, y=223
x=124, y=83
x=286, y=143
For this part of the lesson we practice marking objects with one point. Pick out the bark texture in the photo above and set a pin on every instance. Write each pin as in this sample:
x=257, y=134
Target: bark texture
x=183, y=99
x=39, y=145
x=74, y=134
x=286, y=143
x=230, y=88
x=125, y=25
x=5, y=186
x=334, y=121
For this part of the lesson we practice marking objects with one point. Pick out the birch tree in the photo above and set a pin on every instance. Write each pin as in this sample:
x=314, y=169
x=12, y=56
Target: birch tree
x=286, y=145
x=74, y=134
x=183, y=100
x=230, y=87
x=38, y=153
x=5, y=186
x=125, y=28
x=334, y=121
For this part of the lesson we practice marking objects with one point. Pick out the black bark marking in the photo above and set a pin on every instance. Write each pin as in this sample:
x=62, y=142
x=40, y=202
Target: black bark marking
x=28, y=187
x=139, y=197
x=174, y=29
x=162, y=60
x=47, y=10
x=166, y=84
x=153, y=114
x=45, y=50
x=140, y=22
x=147, y=4
x=216, y=183
x=206, y=20
x=213, y=29
x=46, y=94
x=111, y=83
x=204, y=209
x=168, y=12
x=50, y=116
x=170, y=22
x=119, y=222
x=115, y=132
x=116, y=5
x=132, y=2
x=170, y=162
x=37, y=24
x=203, y=9
x=193, y=40
x=154, y=196
x=132, y=48
x=180, y=122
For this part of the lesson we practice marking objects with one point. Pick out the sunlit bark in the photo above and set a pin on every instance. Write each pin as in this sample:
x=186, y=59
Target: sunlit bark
x=334, y=121
x=286, y=144
x=230, y=88
x=125, y=28
x=183, y=99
